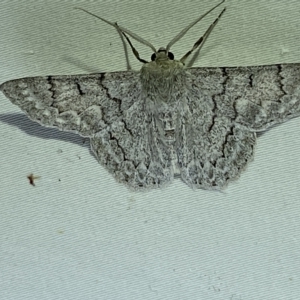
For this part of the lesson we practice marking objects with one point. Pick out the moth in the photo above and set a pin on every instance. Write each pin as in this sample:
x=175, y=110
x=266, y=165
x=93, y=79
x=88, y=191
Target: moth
x=166, y=121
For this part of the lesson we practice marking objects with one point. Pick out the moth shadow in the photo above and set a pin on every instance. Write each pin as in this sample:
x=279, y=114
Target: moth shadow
x=22, y=122
x=74, y=62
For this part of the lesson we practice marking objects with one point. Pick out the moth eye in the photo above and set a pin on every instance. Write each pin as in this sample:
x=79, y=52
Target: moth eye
x=171, y=55
x=153, y=56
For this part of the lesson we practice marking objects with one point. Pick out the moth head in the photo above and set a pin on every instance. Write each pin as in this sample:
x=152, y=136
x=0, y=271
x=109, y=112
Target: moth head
x=162, y=54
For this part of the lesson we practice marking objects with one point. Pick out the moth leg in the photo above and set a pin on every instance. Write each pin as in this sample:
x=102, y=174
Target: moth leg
x=203, y=38
x=125, y=31
x=134, y=51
